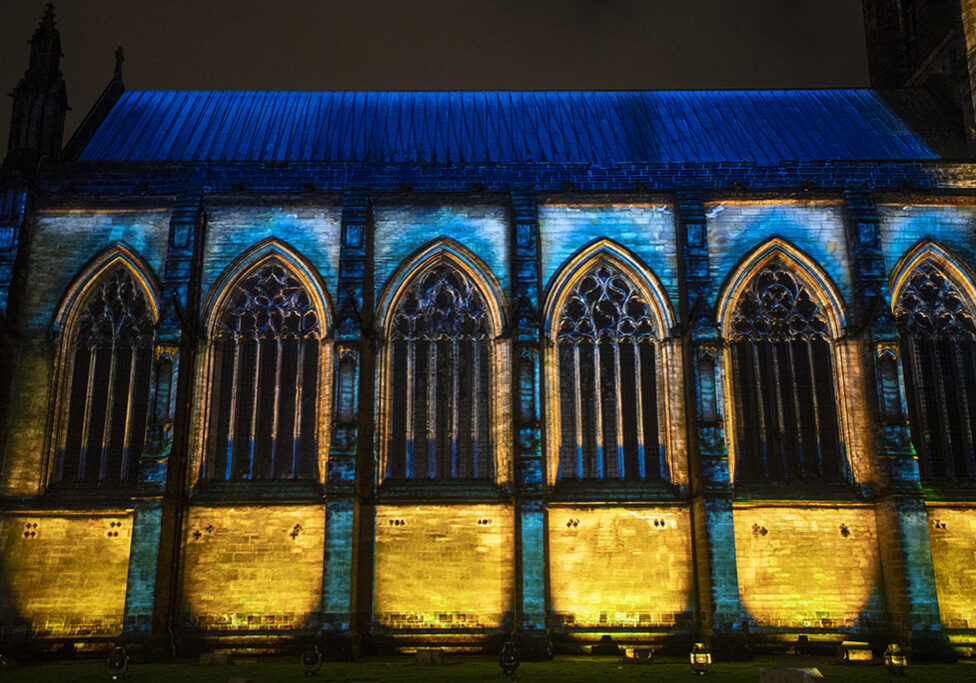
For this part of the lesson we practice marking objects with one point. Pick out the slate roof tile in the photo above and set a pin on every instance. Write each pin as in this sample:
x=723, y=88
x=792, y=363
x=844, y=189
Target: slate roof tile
x=602, y=128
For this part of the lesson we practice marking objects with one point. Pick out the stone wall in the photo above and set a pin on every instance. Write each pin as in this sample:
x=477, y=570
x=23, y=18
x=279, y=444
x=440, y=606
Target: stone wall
x=260, y=566
x=620, y=566
x=808, y=565
x=952, y=531
x=253, y=567
x=63, y=575
x=646, y=230
x=403, y=229
x=311, y=229
x=444, y=566
x=64, y=241
x=814, y=227
x=949, y=225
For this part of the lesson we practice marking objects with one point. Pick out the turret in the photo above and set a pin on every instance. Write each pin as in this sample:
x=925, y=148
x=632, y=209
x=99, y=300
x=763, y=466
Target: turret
x=40, y=103
x=929, y=44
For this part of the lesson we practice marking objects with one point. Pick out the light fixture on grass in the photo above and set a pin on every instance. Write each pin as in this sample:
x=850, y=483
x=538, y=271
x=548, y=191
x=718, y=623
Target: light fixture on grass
x=311, y=660
x=701, y=659
x=508, y=658
x=895, y=660
x=854, y=652
x=118, y=663
x=639, y=655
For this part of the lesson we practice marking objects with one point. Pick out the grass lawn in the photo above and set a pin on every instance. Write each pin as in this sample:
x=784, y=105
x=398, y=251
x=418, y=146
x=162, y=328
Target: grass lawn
x=477, y=669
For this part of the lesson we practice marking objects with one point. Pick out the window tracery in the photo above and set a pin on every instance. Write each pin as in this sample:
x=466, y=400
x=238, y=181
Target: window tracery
x=783, y=382
x=930, y=304
x=607, y=380
x=111, y=349
x=266, y=348
x=440, y=341
x=939, y=337
x=776, y=307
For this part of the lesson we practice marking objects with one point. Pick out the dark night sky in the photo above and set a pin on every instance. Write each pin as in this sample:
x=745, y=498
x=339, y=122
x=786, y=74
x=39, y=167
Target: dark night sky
x=441, y=44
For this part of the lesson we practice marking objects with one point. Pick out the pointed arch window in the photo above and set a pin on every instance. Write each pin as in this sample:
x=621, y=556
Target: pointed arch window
x=938, y=336
x=110, y=354
x=782, y=376
x=607, y=381
x=265, y=376
x=440, y=380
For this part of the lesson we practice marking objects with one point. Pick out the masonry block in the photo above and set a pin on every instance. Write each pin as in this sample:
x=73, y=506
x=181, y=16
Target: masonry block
x=809, y=566
x=444, y=567
x=63, y=575
x=253, y=568
x=620, y=567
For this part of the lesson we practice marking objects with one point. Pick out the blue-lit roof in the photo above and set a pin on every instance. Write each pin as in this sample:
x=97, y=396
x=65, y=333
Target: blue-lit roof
x=762, y=126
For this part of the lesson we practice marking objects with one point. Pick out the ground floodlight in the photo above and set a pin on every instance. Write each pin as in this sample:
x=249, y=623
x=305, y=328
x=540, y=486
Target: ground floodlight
x=118, y=663
x=311, y=660
x=701, y=659
x=639, y=655
x=895, y=660
x=508, y=658
x=854, y=652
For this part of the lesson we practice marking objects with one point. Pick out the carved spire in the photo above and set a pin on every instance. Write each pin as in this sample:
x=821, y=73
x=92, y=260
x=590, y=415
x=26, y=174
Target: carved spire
x=94, y=118
x=119, y=58
x=40, y=102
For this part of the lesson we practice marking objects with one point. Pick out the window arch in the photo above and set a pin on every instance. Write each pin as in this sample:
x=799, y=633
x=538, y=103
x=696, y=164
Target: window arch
x=607, y=379
x=267, y=334
x=107, y=356
x=440, y=341
x=782, y=380
x=606, y=320
x=938, y=338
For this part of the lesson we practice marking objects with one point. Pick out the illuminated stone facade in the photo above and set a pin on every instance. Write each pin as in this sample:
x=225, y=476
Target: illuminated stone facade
x=393, y=401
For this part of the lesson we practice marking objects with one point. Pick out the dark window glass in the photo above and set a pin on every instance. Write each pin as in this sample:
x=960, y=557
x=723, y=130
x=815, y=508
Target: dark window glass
x=783, y=386
x=111, y=351
x=440, y=373
x=607, y=391
x=938, y=340
x=265, y=381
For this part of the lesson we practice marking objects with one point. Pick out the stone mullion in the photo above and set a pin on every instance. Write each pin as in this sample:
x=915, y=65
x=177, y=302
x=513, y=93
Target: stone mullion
x=815, y=405
x=529, y=470
x=960, y=368
x=276, y=413
x=476, y=442
x=639, y=412
x=152, y=603
x=86, y=419
x=130, y=400
x=110, y=407
x=903, y=529
x=703, y=355
x=802, y=457
x=455, y=412
x=347, y=570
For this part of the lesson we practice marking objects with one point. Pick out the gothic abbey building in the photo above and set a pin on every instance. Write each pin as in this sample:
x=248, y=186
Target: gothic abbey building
x=405, y=368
